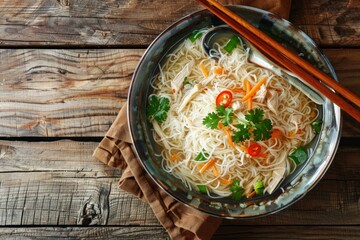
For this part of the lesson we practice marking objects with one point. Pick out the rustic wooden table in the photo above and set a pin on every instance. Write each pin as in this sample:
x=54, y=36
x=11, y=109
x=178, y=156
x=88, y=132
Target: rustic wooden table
x=65, y=68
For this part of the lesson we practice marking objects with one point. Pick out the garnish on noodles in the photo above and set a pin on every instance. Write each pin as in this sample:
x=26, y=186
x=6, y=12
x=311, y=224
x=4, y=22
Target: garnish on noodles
x=228, y=128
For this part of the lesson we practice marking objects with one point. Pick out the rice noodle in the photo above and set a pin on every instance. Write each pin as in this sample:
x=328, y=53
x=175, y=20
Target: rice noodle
x=183, y=133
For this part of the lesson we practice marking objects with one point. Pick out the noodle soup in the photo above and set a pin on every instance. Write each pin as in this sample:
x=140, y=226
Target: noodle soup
x=228, y=128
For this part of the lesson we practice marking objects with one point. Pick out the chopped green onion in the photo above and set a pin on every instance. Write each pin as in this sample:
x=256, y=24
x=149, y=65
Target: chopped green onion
x=202, y=156
x=259, y=187
x=317, y=125
x=202, y=188
x=195, y=35
x=299, y=155
x=236, y=190
x=186, y=81
x=231, y=45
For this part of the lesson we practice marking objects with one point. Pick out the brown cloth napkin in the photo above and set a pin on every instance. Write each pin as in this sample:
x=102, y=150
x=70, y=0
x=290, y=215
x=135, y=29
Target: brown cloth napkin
x=115, y=150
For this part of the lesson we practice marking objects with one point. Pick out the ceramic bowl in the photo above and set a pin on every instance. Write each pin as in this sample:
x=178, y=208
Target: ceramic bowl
x=295, y=186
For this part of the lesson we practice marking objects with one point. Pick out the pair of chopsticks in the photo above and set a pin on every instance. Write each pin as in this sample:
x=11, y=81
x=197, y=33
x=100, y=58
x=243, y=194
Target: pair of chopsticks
x=342, y=97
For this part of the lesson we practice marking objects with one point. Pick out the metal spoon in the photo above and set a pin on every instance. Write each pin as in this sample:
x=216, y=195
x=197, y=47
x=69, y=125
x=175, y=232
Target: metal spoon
x=256, y=57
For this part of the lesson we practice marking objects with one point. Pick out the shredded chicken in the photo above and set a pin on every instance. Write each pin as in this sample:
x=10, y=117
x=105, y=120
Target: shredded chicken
x=273, y=101
x=189, y=95
x=261, y=94
x=178, y=82
x=278, y=174
x=236, y=105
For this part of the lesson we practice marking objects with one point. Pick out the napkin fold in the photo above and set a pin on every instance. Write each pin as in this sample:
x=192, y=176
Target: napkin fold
x=115, y=150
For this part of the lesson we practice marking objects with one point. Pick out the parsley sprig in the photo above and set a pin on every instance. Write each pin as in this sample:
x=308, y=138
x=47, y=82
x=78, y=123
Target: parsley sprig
x=158, y=108
x=257, y=126
x=222, y=114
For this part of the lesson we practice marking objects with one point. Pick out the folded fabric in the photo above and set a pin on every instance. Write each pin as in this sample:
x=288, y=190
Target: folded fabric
x=115, y=150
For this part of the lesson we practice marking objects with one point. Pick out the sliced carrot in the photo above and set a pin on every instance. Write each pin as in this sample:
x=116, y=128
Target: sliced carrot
x=276, y=133
x=262, y=155
x=204, y=70
x=218, y=70
x=250, y=195
x=207, y=165
x=174, y=157
x=243, y=148
x=248, y=88
x=237, y=90
x=225, y=181
x=253, y=91
x=293, y=133
x=200, y=166
x=228, y=134
x=313, y=114
x=216, y=171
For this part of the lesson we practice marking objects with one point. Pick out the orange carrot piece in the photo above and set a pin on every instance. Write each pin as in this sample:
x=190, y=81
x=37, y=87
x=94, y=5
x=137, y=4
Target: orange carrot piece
x=200, y=165
x=313, y=114
x=218, y=70
x=207, y=165
x=228, y=134
x=262, y=155
x=174, y=157
x=204, y=70
x=248, y=88
x=250, y=195
x=237, y=90
x=276, y=133
x=216, y=171
x=253, y=91
x=225, y=181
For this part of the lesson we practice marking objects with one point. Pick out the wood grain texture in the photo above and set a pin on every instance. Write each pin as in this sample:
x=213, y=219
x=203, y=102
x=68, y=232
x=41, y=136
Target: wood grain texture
x=75, y=157
x=63, y=92
x=96, y=233
x=138, y=22
x=157, y=233
x=71, y=188
x=329, y=22
x=75, y=92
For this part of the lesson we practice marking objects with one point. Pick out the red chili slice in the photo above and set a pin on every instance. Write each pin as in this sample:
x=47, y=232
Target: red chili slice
x=254, y=149
x=224, y=98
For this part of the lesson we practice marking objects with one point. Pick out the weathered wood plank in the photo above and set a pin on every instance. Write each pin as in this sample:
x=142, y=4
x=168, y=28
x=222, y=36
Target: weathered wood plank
x=60, y=93
x=89, y=22
x=72, y=233
x=60, y=198
x=67, y=188
x=76, y=157
x=63, y=92
x=224, y=232
x=329, y=22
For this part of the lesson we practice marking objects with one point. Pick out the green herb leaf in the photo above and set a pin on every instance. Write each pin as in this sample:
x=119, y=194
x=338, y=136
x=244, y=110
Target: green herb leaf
x=299, y=155
x=259, y=187
x=202, y=188
x=195, y=35
x=202, y=156
x=211, y=120
x=242, y=134
x=236, y=190
x=317, y=125
x=226, y=113
x=186, y=81
x=231, y=44
x=262, y=130
x=158, y=108
x=255, y=115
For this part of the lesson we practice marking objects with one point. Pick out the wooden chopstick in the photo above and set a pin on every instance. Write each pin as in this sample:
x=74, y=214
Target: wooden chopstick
x=287, y=59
